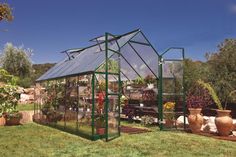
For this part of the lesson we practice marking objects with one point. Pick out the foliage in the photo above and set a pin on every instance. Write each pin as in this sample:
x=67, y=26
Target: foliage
x=113, y=66
x=102, y=86
x=198, y=97
x=14, y=114
x=5, y=77
x=168, y=109
x=150, y=79
x=230, y=97
x=16, y=60
x=8, y=99
x=5, y=12
x=40, y=69
x=147, y=120
x=211, y=92
x=222, y=66
x=25, y=82
x=123, y=100
x=139, y=81
x=100, y=121
x=193, y=71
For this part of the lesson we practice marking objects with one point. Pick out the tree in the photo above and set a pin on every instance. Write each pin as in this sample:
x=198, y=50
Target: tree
x=223, y=68
x=16, y=60
x=193, y=71
x=5, y=12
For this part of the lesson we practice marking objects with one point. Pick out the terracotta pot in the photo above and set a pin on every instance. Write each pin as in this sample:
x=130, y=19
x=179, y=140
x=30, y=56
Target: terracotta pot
x=224, y=123
x=169, y=123
x=100, y=131
x=2, y=121
x=13, y=121
x=195, y=119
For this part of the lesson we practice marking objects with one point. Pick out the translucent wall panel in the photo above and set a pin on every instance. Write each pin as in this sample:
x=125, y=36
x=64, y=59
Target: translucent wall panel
x=148, y=55
x=99, y=105
x=139, y=38
x=134, y=60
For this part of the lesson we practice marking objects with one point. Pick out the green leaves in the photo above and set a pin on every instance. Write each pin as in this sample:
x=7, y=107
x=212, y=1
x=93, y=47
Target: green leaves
x=211, y=92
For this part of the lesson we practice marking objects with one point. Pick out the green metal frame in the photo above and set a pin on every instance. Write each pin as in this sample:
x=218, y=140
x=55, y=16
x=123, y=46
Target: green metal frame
x=159, y=79
x=160, y=91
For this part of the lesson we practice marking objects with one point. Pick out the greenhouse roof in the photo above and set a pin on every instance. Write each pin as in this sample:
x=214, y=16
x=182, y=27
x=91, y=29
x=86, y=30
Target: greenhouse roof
x=138, y=57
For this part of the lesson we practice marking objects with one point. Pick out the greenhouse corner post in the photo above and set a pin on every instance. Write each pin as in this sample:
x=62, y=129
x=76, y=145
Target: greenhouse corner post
x=184, y=92
x=160, y=98
x=106, y=76
x=93, y=104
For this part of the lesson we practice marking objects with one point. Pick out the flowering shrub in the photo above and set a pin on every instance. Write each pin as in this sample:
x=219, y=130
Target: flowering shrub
x=168, y=109
x=9, y=94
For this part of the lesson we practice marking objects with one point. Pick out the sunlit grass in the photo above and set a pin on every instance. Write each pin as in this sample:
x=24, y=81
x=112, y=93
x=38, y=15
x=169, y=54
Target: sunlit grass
x=37, y=140
x=25, y=107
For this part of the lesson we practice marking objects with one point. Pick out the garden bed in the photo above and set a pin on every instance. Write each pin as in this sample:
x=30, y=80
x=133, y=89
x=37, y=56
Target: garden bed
x=216, y=136
x=132, y=130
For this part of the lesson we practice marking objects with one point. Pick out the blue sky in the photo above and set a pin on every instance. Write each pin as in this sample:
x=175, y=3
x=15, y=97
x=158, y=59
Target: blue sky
x=51, y=26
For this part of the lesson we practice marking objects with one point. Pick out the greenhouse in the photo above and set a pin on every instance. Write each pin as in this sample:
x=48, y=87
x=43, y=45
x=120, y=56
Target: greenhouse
x=119, y=76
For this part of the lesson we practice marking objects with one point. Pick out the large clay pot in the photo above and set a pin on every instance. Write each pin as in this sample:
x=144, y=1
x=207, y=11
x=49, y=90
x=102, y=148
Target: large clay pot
x=195, y=119
x=13, y=121
x=2, y=121
x=224, y=123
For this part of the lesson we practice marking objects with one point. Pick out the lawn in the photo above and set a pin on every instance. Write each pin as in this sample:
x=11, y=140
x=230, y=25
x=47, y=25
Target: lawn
x=25, y=107
x=36, y=140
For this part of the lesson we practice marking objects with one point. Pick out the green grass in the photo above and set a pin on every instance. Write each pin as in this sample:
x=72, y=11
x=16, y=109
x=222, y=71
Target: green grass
x=25, y=107
x=36, y=140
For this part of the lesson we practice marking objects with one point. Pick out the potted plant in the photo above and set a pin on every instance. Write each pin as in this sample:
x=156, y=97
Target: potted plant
x=100, y=125
x=169, y=114
x=150, y=81
x=197, y=98
x=51, y=114
x=13, y=117
x=2, y=118
x=223, y=121
x=139, y=82
x=9, y=96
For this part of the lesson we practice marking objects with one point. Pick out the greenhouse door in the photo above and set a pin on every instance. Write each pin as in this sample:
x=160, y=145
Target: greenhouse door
x=112, y=110
x=113, y=82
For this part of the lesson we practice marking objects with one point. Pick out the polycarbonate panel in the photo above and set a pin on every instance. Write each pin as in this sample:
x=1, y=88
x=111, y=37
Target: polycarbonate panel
x=174, y=54
x=85, y=61
x=148, y=55
x=126, y=69
x=124, y=39
x=139, y=38
x=130, y=55
x=172, y=69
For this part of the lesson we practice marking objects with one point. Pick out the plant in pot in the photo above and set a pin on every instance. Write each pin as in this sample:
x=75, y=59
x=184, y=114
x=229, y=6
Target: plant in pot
x=169, y=114
x=100, y=125
x=223, y=121
x=13, y=117
x=150, y=80
x=51, y=114
x=197, y=98
x=9, y=97
x=123, y=102
x=139, y=82
x=2, y=117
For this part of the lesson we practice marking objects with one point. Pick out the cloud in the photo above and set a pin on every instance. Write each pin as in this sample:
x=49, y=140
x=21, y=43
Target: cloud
x=232, y=8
